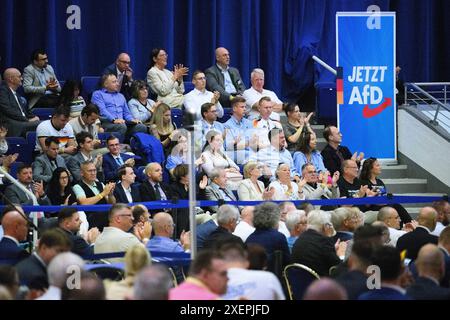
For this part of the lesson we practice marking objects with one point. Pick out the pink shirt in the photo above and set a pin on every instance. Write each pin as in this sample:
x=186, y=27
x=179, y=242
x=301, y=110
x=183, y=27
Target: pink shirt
x=192, y=289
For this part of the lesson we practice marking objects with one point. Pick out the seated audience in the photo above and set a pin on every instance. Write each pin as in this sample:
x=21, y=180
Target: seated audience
x=48, y=161
x=141, y=106
x=266, y=217
x=59, y=127
x=370, y=171
x=34, y=268
x=164, y=228
x=15, y=230
x=317, y=185
x=349, y=184
x=9, y=280
x=152, y=189
x=237, y=131
x=263, y=125
x=207, y=278
x=251, y=189
x=126, y=191
x=334, y=154
x=284, y=188
x=70, y=97
x=430, y=265
x=245, y=226
x=307, y=153
x=69, y=221
x=114, y=113
x=85, y=143
x=296, y=127
x=115, y=237
x=40, y=83
x=122, y=71
x=224, y=79
x=389, y=216
x=256, y=92
x=208, y=121
x=163, y=128
x=391, y=267
x=218, y=190
x=179, y=153
x=325, y=289
x=315, y=247
x=248, y=284
x=194, y=99
x=91, y=288
x=296, y=224
x=88, y=121
x=345, y=221
x=442, y=208
x=114, y=159
x=59, y=190
x=18, y=120
x=137, y=258
x=25, y=177
x=215, y=158
x=421, y=235
x=227, y=220
x=167, y=85
x=89, y=191
x=57, y=273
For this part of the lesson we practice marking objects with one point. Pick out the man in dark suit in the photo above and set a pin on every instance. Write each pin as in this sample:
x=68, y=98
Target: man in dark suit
x=46, y=163
x=16, y=195
x=431, y=268
x=391, y=269
x=334, y=154
x=34, y=268
x=227, y=218
x=121, y=69
x=126, y=191
x=152, y=189
x=15, y=228
x=414, y=240
x=113, y=160
x=13, y=108
x=218, y=190
x=69, y=221
x=224, y=79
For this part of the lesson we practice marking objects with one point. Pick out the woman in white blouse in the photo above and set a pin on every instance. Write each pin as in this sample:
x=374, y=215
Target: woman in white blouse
x=285, y=189
x=214, y=157
x=251, y=189
x=166, y=84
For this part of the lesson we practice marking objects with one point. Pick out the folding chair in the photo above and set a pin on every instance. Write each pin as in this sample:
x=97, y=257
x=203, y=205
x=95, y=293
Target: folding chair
x=298, y=277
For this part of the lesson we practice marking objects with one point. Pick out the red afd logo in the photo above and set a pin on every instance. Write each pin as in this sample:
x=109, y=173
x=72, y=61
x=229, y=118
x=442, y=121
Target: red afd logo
x=372, y=112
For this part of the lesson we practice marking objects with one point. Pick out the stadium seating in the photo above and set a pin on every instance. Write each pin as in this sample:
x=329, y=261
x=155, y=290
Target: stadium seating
x=298, y=277
x=89, y=84
x=22, y=147
x=43, y=113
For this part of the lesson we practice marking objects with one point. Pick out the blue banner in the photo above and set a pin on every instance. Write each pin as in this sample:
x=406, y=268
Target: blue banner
x=365, y=49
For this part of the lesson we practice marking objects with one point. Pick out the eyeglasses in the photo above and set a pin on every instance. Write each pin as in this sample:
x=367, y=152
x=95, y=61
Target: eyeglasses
x=125, y=62
x=126, y=215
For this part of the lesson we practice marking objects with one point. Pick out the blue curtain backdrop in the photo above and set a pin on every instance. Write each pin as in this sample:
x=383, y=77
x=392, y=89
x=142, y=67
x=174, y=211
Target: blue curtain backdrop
x=276, y=35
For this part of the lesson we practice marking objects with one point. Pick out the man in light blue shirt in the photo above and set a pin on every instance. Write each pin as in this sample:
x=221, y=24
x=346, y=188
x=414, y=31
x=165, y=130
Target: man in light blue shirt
x=238, y=132
x=114, y=112
x=208, y=122
x=164, y=227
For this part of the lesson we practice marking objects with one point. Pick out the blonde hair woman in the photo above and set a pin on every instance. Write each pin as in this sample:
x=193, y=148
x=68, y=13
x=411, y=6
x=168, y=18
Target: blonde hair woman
x=162, y=126
x=136, y=258
x=251, y=189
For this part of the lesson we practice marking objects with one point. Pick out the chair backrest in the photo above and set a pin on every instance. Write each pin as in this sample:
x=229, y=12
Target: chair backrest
x=188, y=87
x=102, y=136
x=177, y=117
x=89, y=84
x=20, y=146
x=298, y=277
x=108, y=272
x=43, y=113
x=227, y=113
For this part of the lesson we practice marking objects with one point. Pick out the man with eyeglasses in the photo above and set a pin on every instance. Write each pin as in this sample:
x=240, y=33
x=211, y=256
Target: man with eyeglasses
x=122, y=70
x=209, y=120
x=199, y=96
x=89, y=191
x=40, y=82
x=115, y=237
x=114, y=159
x=317, y=186
x=391, y=219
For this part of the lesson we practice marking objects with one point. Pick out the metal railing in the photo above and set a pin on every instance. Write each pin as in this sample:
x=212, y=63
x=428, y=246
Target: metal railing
x=438, y=98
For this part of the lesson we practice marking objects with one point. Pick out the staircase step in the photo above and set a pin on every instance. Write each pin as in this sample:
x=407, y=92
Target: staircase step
x=418, y=205
x=393, y=171
x=406, y=185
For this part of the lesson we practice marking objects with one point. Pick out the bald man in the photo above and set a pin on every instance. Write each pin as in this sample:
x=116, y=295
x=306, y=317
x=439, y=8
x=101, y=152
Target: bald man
x=245, y=226
x=325, y=289
x=224, y=79
x=164, y=227
x=431, y=268
x=13, y=108
x=122, y=70
x=414, y=240
x=152, y=189
x=15, y=229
